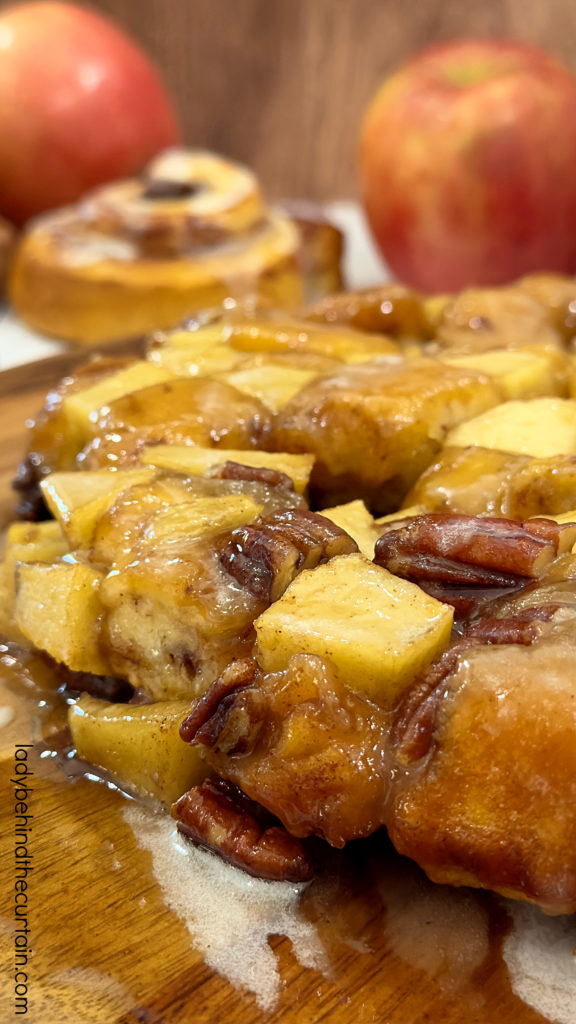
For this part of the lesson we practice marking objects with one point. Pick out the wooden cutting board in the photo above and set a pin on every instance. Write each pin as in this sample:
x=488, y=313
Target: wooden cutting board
x=107, y=948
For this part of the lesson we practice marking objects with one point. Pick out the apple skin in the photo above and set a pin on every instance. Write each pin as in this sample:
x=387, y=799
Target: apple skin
x=80, y=104
x=468, y=166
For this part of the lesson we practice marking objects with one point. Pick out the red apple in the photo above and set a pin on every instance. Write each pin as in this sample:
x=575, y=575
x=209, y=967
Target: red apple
x=468, y=166
x=80, y=104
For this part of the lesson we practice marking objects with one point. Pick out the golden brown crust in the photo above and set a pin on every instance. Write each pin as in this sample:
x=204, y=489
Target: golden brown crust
x=489, y=770
x=391, y=309
x=303, y=746
x=193, y=410
x=480, y=481
x=374, y=428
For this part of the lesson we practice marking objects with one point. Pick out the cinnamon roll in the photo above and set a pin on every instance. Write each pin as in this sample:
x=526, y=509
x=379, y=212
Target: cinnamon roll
x=144, y=253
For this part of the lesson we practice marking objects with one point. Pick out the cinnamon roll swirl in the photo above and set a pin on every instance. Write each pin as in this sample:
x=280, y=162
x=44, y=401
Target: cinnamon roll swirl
x=144, y=253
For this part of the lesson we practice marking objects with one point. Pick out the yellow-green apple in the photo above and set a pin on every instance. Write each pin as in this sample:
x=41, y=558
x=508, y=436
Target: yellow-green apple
x=468, y=165
x=80, y=104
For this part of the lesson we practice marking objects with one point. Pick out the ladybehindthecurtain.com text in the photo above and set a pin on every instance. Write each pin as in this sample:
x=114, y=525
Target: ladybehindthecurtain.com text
x=22, y=867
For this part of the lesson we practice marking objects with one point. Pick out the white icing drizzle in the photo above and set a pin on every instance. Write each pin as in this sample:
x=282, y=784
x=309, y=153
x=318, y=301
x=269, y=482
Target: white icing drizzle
x=539, y=953
x=229, y=915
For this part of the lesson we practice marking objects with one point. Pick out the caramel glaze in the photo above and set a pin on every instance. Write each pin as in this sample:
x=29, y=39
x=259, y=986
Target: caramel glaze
x=178, y=610
x=373, y=428
x=483, y=775
x=374, y=912
x=50, y=444
x=304, y=746
x=484, y=481
x=180, y=411
x=473, y=773
x=485, y=797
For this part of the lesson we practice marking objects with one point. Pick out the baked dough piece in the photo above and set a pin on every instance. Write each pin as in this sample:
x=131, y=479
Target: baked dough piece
x=143, y=254
x=485, y=481
x=484, y=796
x=481, y=319
x=392, y=309
x=373, y=428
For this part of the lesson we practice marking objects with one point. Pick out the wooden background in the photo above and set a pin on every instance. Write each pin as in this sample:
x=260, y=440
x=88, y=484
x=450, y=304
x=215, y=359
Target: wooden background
x=281, y=84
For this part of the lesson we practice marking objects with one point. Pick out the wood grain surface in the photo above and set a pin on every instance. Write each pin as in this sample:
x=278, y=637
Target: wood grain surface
x=107, y=950
x=282, y=84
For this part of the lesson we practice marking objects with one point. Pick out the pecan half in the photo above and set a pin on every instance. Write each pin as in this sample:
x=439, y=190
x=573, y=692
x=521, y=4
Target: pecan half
x=468, y=600
x=257, y=474
x=267, y=555
x=563, y=535
x=210, y=817
x=111, y=688
x=471, y=550
x=31, y=506
x=211, y=713
x=413, y=728
x=522, y=628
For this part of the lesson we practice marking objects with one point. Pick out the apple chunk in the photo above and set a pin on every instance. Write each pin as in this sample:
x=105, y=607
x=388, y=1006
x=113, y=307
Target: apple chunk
x=8, y=628
x=58, y=608
x=34, y=542
x=193, y=353
x=78, y=500
x=30, y=542
x=81, y=408
x=198, y=461
x=355, y=518
x=273, y=384
x=139, y=745
x=542, y=427
x=521, y=373
x=201, y=517
x=273, y=333
x=377, y=630
x=25, y=542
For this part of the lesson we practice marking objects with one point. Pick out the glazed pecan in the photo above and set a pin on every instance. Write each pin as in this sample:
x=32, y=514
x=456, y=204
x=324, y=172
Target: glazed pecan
x=412, y=731
x=522, y=628
x=257, y=474
x=468, y=600
x=471, y=550
x=563, y=535
x=211, y=817
x=105, y=687
x=267, y=555
x=211, y=713
x=31, y=506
